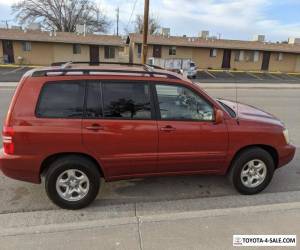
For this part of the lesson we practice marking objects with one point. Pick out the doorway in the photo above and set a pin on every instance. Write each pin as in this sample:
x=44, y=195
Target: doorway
x=94, y=54
x=226, y=59
x=8, y=51
x=266, y=61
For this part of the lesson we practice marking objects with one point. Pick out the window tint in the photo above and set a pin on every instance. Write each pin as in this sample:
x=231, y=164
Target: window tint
x=61, y=100
x=93, y=103
x=126, y=100
x=180, y=103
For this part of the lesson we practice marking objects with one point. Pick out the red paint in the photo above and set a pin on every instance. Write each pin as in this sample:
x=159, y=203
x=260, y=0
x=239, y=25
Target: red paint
x=134, y=148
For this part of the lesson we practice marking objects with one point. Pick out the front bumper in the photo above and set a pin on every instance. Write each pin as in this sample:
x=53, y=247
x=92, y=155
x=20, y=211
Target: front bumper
x=286, y=155
x=23, y=168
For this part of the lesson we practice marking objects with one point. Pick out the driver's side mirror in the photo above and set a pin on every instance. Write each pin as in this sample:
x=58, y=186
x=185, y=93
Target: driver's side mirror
x=219, y=117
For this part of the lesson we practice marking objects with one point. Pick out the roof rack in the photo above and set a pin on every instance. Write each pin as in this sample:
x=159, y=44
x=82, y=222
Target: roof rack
x=98, y=63
x=66, y=69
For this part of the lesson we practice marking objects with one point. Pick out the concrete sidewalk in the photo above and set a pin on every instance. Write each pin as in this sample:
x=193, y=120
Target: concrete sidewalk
x=214, y=85
x=207, y=229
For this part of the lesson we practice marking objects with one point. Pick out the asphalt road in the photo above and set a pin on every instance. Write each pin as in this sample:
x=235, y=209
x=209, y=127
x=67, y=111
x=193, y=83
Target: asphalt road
x=17, y=196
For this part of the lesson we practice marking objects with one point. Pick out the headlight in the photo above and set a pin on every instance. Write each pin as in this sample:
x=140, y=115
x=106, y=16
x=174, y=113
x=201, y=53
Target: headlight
x=286, y=135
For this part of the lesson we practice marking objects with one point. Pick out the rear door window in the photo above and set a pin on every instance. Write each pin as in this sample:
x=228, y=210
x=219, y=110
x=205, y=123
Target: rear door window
x=61, y=100
x=126, y=100
x=93, y=102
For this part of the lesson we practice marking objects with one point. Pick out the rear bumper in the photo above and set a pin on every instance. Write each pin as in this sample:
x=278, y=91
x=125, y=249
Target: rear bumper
x=23, y=168
x=286, y=155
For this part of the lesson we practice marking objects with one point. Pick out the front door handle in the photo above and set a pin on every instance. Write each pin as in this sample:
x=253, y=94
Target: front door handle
x=168, y=128
x=95, y=127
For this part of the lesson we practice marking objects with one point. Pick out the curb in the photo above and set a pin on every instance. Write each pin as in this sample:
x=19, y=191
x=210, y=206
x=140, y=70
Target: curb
x=84, y=225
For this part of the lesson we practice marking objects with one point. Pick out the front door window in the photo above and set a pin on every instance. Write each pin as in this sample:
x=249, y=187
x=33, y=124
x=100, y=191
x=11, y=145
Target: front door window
x=180, y=103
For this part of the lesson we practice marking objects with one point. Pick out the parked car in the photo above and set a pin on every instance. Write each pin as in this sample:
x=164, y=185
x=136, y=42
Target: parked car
x=185, y=67
x=73, y=125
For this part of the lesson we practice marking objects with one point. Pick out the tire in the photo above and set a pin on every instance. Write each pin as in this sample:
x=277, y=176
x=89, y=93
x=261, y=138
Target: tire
x=242, y=176
x=75, y=173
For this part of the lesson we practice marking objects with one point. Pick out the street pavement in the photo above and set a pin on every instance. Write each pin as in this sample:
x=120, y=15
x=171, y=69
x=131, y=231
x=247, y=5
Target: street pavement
x=24, y=204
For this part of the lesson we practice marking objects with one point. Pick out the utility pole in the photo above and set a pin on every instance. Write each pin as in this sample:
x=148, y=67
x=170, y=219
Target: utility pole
x=118, y=18
x=145, y=32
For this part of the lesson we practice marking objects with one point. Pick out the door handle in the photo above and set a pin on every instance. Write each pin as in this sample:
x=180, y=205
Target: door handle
x=95, y=127
x=168, y=129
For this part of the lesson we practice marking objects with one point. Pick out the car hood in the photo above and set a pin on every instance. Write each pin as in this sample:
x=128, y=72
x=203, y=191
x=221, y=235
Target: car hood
x=248, y=112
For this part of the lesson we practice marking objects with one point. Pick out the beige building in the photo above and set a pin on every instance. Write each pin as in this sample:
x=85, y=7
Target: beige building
x=44, y=48
x=219, y=53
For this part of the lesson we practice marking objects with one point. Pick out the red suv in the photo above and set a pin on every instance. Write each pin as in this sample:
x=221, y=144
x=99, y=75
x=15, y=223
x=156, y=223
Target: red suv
x=75, y=124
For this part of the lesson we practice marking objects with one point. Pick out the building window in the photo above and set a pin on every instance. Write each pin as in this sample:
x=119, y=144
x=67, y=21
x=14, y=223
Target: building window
x=109, y=52
x=213, y=53
x=279, y=56
x=239, y=56
x=76, y=49
x=26, y=46
x=139, y=48
x=172, y=51
x=249, y=56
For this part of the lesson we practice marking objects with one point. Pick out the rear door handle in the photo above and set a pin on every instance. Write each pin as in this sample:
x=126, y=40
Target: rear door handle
x=95, y=127
x=168, y=129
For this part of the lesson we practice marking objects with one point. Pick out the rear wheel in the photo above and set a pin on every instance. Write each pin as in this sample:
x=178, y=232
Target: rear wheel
x=252, y=171
x=72, y=182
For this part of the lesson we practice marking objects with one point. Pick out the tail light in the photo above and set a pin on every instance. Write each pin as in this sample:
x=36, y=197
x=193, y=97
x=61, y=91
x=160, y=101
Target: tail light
x=8, y=143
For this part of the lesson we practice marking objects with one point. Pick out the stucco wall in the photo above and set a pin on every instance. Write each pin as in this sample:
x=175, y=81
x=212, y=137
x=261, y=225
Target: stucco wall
x=1, y=52
x=287, y=64
x=246, y=65
x=201, y=56
x=40, y=54
x=64, y=52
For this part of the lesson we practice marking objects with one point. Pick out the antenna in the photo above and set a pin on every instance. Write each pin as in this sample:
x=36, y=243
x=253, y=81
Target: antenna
x=118, y=18
x=237, y=104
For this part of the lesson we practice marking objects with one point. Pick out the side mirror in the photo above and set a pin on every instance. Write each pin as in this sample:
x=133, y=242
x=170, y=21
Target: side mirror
x=219, y=116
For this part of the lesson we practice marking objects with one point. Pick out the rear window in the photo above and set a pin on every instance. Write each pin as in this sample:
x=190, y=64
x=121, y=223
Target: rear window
x=61, y=100
x=126, y=100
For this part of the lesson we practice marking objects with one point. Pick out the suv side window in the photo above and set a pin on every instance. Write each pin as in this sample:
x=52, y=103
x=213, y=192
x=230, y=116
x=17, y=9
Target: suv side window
x=180, y=103
x=93, y=102
x=126, y=100
x=61, y=100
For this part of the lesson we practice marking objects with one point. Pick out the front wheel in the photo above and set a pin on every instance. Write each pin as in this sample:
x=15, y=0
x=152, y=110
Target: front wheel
x=72, y=182
x=252, y=171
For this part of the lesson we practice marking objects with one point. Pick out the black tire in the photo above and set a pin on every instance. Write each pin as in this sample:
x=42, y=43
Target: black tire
x=72, y=162
x=241, y=160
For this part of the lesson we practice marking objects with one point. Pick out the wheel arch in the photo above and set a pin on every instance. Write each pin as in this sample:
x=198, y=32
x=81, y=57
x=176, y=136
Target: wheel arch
x=271, y=150
x=50, y=159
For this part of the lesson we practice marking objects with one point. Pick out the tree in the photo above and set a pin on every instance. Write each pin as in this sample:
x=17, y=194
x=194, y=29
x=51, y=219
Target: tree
x=153, y=24
x=61, y=15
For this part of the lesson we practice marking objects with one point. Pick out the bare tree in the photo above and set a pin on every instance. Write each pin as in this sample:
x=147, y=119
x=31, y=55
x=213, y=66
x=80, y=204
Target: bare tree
x=61, y=15
x=153, y=24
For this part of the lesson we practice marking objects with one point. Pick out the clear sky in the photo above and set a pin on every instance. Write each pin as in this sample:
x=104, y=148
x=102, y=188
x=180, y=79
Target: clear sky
x=233, y=19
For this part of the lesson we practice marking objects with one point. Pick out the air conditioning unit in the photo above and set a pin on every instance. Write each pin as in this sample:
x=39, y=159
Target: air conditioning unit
x=204, y=34
x=165, y=32
x=294, y=40
x=259, y=38
x=34, y=26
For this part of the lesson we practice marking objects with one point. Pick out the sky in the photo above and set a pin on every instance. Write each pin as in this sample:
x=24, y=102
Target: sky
x=231, y=19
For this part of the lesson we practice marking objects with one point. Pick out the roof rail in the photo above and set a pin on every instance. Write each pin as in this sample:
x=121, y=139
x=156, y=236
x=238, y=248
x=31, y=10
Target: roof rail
x=77, y=71
x=98, y=63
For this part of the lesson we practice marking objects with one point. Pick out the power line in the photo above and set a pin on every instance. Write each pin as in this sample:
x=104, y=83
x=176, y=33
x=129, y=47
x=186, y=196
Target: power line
x=133, y=9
